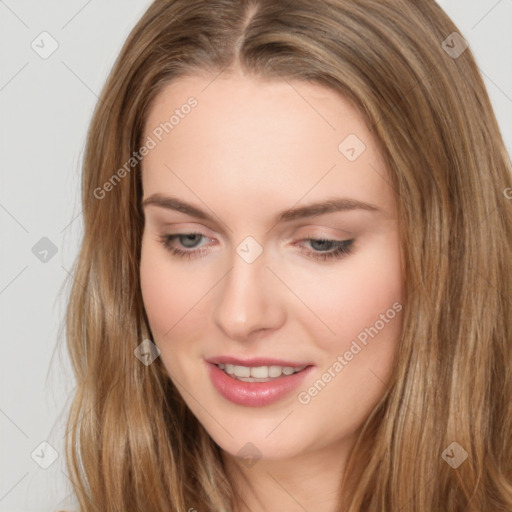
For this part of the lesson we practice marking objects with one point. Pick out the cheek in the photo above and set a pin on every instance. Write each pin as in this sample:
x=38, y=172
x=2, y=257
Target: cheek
x=349, y=300
x=172, y=300
x=168, y=294
x=362, y=304
x=345, y=299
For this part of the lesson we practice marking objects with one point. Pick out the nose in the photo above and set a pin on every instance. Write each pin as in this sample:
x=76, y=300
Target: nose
x=249, y=299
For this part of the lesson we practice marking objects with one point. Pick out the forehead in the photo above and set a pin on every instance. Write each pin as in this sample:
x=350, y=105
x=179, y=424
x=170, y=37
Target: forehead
x=256, y=138
x=249, y=109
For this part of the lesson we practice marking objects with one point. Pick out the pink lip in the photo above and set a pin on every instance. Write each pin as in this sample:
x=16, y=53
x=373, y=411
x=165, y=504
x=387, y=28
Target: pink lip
x=255, y=394
x=255, y=361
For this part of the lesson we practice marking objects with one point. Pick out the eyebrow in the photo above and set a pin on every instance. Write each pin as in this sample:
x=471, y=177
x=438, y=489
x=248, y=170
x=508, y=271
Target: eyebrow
x=311, y=210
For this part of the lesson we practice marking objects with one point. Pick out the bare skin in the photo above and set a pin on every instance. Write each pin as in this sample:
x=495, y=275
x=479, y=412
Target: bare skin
x=249, y=150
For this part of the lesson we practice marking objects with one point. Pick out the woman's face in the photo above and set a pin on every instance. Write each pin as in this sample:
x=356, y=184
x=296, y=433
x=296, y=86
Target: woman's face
x=241, y=162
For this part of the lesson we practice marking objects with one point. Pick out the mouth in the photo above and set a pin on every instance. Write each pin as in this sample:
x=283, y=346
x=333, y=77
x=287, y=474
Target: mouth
x=258, y=373
x=256, y=386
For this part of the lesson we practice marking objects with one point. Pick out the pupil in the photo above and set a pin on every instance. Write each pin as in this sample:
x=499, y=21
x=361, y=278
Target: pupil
x=191, y=238
x=321, y=244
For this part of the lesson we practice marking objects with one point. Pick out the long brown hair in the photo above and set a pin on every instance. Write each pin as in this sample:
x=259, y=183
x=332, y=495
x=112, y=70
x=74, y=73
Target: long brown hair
x=132, y=443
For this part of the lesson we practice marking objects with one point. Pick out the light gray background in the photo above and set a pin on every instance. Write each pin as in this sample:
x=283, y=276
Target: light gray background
x=46, y=105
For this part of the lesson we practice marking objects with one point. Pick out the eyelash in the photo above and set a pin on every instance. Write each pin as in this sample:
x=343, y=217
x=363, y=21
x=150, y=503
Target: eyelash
x=341, y=247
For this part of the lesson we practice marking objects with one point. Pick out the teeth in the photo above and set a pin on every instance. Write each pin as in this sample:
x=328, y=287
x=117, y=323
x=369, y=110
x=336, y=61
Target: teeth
x=274, y=371
x=258, y=372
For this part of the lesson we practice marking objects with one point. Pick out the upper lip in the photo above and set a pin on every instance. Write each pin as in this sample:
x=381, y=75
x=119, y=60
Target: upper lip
x=256, y=361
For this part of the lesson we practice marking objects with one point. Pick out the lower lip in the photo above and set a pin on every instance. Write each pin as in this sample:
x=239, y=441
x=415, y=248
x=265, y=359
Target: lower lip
x=255, y=394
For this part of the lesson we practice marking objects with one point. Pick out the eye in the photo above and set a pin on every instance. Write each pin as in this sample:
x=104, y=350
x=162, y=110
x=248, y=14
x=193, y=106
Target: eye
x=323, y=249
x=188, y=240
x=339, y=248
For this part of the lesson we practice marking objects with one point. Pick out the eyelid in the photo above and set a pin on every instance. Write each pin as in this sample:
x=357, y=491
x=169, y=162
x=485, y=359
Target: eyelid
x=167, y=229
x=318, y=231
x=183, y=227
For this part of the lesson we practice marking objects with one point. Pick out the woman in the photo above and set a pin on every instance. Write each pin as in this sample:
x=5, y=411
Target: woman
x=294, y=287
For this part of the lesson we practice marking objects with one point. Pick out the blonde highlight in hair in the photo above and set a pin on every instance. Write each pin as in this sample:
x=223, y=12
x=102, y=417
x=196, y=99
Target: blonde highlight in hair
x=132, y=443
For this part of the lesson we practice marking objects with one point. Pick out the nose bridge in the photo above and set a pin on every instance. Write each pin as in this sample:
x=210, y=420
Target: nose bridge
x=248, y=300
